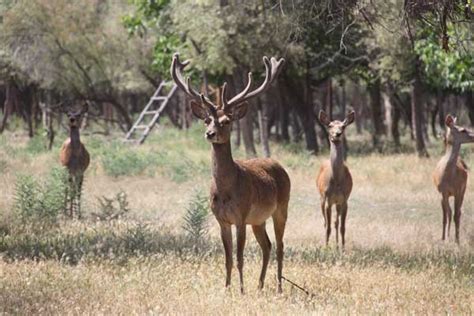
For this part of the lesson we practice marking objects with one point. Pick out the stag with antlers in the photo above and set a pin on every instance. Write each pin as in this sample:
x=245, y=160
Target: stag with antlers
x=75, y=157
x=242, y=192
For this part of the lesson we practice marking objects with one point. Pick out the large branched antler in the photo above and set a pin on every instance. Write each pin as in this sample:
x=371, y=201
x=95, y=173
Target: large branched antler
x=272, y=69
x=185, y=85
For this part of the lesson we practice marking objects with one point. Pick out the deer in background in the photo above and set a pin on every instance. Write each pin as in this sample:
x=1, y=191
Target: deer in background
x=334, y=180
x=242, y=192
x=450, y=175
x=75, y=158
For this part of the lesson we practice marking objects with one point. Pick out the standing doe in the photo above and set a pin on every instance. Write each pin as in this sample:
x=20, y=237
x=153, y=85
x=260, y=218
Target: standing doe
x=242, y=192
x=75, y=158
x=450, y=175
x=334, y=180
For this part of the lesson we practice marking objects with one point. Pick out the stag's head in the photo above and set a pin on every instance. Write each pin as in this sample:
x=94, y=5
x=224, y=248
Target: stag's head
x=218, y=118
x=75, y=115
x=457, y=134
x=336, y=128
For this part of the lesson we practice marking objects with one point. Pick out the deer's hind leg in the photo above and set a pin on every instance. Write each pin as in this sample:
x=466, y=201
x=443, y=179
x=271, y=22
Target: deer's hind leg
x=328, y=222
x=342, y=212
x=241, y=235
x=264, y=242
x=279, y=223
x=80, y=180
x=446, y=215
x=457, y=213
x=323, y=209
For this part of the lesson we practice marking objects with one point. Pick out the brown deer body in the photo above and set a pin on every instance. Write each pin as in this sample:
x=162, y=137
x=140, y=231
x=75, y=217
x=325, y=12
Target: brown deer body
x=75, y=157
x=334, y=180
x=242, y=192
x=450, y=175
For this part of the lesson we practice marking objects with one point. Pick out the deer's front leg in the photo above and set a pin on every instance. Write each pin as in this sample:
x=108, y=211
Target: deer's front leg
x=226, y=235
x=241, y=230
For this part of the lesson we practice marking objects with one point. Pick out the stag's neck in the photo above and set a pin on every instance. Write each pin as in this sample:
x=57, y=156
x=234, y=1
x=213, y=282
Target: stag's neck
x=224, y=169
x=336, y=157
x=452, y=154
x=75, y=138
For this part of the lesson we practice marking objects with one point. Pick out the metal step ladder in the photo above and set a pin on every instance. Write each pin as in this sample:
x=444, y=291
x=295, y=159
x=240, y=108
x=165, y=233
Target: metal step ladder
x=155, y=106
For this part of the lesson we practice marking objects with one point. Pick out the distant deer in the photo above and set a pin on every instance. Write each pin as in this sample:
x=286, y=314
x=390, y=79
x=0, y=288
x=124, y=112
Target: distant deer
x=75, y=158
x=450, y=175
x=334, y=180
x=242, y=192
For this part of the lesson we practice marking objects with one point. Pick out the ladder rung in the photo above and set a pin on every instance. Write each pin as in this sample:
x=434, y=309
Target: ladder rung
x=150, y=112
x=158, y=98
x=141, y=127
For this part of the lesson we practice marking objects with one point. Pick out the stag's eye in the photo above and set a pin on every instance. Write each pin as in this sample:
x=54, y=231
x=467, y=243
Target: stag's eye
x=225, y=122
x=207, y=120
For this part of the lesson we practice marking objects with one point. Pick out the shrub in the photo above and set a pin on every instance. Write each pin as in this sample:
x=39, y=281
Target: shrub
x=40, y=201
x=195, y=219
x=121, y=161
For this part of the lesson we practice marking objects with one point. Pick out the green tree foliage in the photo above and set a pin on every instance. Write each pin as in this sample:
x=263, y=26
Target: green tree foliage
x=452, y=69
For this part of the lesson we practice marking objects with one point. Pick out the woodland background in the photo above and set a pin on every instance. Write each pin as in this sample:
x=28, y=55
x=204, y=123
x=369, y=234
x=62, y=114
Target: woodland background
x=401, y=65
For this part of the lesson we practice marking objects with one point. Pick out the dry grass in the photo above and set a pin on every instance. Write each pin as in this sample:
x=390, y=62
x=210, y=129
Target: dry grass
x=394, y=206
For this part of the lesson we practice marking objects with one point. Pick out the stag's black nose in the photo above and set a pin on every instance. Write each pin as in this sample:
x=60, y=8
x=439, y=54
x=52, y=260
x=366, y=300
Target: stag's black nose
x=72, y=120
x=210, y=134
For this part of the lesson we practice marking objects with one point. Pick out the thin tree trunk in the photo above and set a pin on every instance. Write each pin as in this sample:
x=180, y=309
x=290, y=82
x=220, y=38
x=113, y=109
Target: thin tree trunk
x=377, y=117
x=470, y=105
x=263, y=122
x=417, y=112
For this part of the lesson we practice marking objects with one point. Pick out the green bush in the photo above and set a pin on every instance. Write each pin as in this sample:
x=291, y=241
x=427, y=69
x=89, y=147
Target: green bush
x=36, y=145
x=195, y=219
x=40, y=201
x=119, y=161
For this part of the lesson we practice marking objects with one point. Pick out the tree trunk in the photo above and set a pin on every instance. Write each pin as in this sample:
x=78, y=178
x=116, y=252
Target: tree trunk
x=440, y=98
x=263, y=123
x=247, y=133
x=377, y=116
x=329, y=99
x=470, y=105
x=11, y=102
x=246, y=123
x=417, y=112
x=284, y=116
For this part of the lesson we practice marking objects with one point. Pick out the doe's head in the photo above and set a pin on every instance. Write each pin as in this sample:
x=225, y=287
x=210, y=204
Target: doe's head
x=75, y=115
x=336, y=128
x=457, y=134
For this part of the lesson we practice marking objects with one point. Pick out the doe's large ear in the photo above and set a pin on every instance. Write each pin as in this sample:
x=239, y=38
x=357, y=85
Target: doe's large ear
x=324, y=118
x=198, y=110
x=238, y=111
x=450, y=120
x=349, y=118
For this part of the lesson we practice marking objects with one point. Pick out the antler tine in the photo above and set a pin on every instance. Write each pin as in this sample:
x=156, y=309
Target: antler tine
x=209, y=104
x=185, y=85
x=272, y=69
x=228, y=104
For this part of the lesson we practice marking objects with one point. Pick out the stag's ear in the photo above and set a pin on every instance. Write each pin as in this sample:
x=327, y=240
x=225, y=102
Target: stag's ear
x=238, y=111
x=449, y=121
x=349, y=118
x=323, y=118
x=198, y=110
